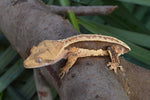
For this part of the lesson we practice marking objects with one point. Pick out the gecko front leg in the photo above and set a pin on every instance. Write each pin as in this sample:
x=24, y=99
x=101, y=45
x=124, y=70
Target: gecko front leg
x=74, y=53
x=72, y=57
x=114, y=52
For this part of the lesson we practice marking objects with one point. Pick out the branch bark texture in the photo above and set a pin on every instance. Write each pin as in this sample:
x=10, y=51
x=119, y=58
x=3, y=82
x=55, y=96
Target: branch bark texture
x=43, y=88
x=27, y=23
x=83, y=10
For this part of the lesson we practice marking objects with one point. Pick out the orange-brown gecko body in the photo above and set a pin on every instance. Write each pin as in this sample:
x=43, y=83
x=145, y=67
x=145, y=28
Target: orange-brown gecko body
x=49, y=52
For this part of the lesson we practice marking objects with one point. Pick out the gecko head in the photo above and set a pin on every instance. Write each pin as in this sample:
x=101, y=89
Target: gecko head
x=44, y=54
x=37, y=60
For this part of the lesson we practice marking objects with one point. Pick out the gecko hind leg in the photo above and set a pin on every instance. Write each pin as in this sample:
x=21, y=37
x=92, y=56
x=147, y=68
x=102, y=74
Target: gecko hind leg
x=114, y=53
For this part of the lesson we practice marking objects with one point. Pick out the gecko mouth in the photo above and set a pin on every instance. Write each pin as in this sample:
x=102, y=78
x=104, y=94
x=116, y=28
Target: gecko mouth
x=29, y=67
x=32, y=64
x=36, y=66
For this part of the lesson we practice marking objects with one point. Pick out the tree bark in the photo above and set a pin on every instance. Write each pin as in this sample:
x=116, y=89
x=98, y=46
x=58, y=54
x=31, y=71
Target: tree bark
x=26, y=23
x=43, y=88
x=82, y=10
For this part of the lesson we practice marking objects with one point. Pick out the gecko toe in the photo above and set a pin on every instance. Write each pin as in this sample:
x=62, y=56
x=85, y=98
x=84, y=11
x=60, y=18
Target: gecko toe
x=121, y=68
x=114, y=66
x=61, y=75
x=63, y=72
x=109, y=64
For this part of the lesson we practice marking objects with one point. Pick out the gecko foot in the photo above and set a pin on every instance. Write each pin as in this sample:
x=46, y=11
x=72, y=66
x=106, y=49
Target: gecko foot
x=114, y=66
x=63, y=72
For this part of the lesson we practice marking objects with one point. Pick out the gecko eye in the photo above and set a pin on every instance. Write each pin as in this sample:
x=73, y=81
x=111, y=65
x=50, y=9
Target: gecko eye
x=39, y=60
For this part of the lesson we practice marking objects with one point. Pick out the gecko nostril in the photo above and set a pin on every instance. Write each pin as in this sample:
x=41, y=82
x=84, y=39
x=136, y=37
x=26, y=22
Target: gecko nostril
x=25, y=65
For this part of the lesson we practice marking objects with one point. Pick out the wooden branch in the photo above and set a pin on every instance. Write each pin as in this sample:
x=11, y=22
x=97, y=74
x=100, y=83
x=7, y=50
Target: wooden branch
x=83, y=10
x=43, y=89
x=25, y=24
x=80, y=10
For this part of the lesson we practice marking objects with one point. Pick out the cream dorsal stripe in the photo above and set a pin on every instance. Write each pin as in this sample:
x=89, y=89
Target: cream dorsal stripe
x=92, y=37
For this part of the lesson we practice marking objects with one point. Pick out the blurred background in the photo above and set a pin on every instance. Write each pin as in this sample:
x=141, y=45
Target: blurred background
x=130, y=22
